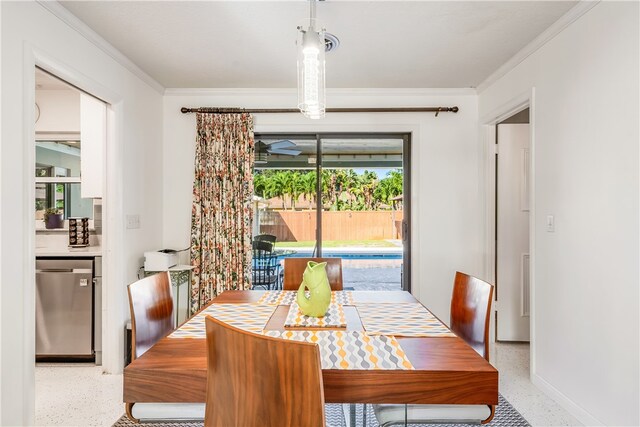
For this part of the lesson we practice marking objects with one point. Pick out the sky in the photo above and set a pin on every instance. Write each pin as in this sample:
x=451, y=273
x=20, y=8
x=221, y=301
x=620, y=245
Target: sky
x=382, y=173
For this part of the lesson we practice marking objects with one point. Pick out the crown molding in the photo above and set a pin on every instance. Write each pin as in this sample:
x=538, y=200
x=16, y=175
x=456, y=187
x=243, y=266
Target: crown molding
x=556, y=28
x=372, y=92
x=85, y=31
x=178, y=91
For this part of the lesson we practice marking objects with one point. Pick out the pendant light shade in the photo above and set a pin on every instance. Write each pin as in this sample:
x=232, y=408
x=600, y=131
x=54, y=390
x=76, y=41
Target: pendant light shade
x=311, y=64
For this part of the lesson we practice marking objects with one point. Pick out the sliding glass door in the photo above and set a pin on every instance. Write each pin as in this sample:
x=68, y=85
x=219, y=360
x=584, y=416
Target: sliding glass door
x=337, y=195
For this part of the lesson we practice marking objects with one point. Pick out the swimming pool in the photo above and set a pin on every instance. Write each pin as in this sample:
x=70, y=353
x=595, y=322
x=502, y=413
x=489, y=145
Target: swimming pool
x=348, y=255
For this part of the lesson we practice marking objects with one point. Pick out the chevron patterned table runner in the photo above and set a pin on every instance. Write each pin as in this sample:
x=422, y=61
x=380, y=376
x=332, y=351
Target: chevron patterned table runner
x=351, y=349
x=334, y=318
x=401, y=320
x=246, y=316
x=288, y=297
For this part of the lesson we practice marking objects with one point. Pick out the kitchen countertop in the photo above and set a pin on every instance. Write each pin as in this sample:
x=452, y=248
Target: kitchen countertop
x=89, y=251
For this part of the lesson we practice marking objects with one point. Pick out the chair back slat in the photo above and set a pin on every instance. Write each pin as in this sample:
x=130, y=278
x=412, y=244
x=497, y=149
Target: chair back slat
x=151, y=307
x=256, y=380
x=470, y=311
x=265, y=267
x=266, y=238
x=294, y=267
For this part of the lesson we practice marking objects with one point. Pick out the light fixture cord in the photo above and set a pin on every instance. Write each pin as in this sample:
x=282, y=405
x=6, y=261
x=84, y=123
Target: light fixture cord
x=312, y=13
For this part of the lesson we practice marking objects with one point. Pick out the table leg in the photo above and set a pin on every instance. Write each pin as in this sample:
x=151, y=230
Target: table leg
x=364, y=415
x=349, y=412
x=352, y=414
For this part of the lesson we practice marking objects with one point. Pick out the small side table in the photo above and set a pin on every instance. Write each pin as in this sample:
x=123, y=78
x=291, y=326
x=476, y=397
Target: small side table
x=181, y=283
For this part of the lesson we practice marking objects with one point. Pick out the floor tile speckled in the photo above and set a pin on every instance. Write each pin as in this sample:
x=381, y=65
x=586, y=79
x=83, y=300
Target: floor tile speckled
x=512, y=361
x=77, y=395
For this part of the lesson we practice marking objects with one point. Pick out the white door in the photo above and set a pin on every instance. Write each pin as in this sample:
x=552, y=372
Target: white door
x=512, y=228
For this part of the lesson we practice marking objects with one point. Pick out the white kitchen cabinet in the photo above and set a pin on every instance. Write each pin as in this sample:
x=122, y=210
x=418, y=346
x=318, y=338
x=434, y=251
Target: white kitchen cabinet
x=93, y=135
x=57, y=115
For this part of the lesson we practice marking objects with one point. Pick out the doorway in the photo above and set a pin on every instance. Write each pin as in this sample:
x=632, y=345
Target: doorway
x=512, y=260
x=338, y=195
x=68, y=173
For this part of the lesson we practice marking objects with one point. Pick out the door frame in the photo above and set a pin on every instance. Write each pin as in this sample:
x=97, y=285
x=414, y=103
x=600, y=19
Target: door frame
x=406, y=169
x=488, y=134
x=113, y=224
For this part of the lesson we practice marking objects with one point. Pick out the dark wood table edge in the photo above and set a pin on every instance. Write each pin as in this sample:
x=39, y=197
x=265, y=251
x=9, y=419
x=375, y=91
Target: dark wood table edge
x=133, y=372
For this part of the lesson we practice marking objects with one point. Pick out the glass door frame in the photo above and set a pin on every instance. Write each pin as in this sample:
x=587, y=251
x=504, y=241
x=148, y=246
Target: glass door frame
x=406, y=190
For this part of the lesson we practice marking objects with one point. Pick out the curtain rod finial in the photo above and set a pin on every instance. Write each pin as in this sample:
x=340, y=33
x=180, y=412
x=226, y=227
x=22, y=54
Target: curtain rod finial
x=184, y=110
x=454, y=109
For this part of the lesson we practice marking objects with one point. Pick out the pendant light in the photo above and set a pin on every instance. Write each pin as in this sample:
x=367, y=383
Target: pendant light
x=311, y=52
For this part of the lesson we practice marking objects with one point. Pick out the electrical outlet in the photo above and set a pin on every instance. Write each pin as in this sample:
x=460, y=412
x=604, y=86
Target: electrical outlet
x=133, y=221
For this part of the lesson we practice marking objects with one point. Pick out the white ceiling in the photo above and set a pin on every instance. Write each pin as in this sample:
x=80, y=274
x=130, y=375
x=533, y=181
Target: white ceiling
x=45, y=81
x=384, y=44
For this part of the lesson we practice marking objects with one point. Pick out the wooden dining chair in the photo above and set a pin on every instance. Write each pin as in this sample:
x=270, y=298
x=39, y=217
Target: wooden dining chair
x=151, y=309
x=470, y=315
x=471, y=311
x=257, y=380
x=294, y=267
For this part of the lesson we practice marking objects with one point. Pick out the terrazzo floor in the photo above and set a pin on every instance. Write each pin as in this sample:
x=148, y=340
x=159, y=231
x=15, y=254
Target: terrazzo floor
x=77, y=395
x=512, y=362
x=80, y=395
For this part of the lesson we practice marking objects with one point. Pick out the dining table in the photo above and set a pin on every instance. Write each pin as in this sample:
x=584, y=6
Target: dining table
x=422, y=361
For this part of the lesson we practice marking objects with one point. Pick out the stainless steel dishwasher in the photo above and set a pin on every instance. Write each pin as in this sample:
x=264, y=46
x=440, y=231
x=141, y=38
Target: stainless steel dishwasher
x=64, y=308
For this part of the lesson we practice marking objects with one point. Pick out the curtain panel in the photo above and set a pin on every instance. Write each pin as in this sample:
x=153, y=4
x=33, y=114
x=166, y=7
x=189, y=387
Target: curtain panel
x=222, y=212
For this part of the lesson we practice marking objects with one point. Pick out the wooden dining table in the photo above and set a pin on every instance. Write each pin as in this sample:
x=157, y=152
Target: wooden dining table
x=446, y=369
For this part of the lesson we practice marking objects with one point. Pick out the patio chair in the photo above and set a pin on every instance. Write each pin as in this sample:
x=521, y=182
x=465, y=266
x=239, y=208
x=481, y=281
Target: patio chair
x=265, y=238
x=265, y=265
x=256, y=380
x=294, y=267
x=470, y=314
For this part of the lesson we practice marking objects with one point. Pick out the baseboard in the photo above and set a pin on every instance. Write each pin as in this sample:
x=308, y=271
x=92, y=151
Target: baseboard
x=168, y=411
x=569, y=405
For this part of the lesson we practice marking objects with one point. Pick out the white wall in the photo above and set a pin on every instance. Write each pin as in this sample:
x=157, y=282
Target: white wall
x=28, y=30
x=585, y=115
x=444, y=159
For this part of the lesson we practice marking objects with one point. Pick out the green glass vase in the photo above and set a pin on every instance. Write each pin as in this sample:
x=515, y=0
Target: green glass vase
x=316, y=281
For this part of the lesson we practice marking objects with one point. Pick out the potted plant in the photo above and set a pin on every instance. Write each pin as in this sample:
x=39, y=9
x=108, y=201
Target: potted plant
x=52, y=218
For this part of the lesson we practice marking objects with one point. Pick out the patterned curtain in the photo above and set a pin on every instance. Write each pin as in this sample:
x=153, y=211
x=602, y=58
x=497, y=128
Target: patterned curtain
x=222, y=214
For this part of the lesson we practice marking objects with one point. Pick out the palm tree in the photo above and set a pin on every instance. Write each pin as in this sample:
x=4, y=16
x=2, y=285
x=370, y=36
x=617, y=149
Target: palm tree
x=259, y=183
x=277, y=186
x=368, y=183
x=295, y=187
x=389, y=187
x=324, y=187
x=309, y=182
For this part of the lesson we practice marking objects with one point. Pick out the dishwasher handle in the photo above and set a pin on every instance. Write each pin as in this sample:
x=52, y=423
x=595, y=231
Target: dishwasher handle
x=66, y=270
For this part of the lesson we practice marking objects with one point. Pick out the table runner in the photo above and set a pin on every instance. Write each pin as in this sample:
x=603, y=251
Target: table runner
x=247, y=316
x=352, y=349
x=334, y=318
x=287, y=297
x=401, y=320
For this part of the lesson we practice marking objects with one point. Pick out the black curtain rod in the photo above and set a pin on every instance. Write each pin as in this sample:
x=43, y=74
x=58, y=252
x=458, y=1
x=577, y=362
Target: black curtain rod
x=225, y=110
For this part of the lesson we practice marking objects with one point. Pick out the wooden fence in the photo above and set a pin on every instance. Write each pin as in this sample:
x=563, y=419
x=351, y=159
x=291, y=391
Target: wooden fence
x=293, y=226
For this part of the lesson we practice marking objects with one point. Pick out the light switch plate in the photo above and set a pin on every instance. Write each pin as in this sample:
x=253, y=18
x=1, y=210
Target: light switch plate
x=133, y=221
x=551, y=225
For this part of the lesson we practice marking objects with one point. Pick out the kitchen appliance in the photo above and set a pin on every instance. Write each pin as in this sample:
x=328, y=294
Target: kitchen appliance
x=64, y=308
x=97, y=309
x=161, y=260
x=78, y=232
